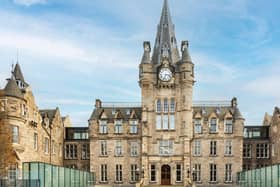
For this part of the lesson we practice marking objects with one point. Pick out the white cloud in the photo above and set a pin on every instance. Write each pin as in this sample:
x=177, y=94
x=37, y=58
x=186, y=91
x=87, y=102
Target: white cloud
x=29, y=2
x=211, y=70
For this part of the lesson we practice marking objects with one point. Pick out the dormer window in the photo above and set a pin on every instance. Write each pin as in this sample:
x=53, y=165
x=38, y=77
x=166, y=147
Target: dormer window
x=133, y=126
x=197, y=126
x=228, y=125
x=103, y=129
x=213, y=125
x=118, y=127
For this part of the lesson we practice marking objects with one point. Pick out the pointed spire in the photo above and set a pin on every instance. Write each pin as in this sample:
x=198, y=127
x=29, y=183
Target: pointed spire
x=12, y=88
x=147, y=51
x=17, y=73
x=185, y=52
x=165, y=44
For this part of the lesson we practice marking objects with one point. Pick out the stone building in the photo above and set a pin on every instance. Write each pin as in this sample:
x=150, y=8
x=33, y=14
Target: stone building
x=167, y=139
x=35, y=135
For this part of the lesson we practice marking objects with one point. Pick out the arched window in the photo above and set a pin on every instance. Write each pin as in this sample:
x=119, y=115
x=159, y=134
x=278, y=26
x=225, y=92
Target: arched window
x=172, y=105
x=158, y=105
x=165, y=106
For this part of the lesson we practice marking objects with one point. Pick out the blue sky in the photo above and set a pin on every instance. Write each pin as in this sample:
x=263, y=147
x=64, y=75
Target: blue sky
x=73, y=51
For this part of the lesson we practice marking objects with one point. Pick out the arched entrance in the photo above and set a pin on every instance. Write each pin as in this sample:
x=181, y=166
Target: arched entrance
x=165, y=175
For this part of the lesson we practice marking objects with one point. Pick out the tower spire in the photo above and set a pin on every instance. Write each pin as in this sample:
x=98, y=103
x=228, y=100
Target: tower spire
x=165, y=44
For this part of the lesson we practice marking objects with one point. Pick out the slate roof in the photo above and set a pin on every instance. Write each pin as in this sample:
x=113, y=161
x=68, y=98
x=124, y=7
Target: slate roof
x=18, y=74
x=111, y=112
x=50, y=113
x=12, y=89
x=204, y=111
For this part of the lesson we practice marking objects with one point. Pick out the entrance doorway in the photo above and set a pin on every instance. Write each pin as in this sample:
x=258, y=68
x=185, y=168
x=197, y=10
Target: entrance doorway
x=165, y=175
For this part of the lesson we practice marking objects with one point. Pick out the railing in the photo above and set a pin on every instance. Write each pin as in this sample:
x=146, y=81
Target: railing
x=122, y=104
x=19, y=183
x=212, y=103
x=222, y=103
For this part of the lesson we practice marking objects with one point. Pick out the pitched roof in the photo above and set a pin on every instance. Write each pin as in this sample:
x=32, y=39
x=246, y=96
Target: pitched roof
x=12, y=89
x=50, y=113
x=165, y=44
x=17, y=73
x=111, y=113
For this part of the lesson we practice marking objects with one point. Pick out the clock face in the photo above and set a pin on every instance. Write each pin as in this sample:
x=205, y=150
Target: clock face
x=165, y=74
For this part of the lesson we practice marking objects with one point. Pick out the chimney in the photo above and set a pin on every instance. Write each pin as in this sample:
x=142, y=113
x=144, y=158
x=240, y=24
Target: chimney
x=234, y=102
x=98, y=103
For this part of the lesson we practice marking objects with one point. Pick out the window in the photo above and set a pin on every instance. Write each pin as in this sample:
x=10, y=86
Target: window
x=213, y=125
x=134, y=149
x=103, y=127
x=165, y=147
x=213, y=148
x=172, y=105
x=53, y=147
x=118, y=173
x=172, y=122
x=35, y=143
x=13, y=172
x=158, y=121
x=262, y=150
x=197, y=148
x=153, y=173
x=85, y=152
x=70, y=151
x=228, y=173
x=118, y=126
x=133, y=172
x=80, y=135
x=213, y=172
x=15, y=133
x=158, y=106
x=165, y=105
x=197, y=126
x=103, y=173
x=178, y=173
x=228, y=147
x=247, y=150
x=118, y=150
x=46, y=145
x=197, y=172
x=133, y=126
x=165, y=122
x=228, y=125
x=103, y=148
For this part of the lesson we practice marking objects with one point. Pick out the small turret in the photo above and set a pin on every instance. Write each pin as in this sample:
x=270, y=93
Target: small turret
x=12, y=88
x=147, y=50
x=19, y=77
x=185, y=52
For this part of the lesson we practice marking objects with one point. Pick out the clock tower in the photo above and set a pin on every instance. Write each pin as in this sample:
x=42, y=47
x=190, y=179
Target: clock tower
x=166, y=78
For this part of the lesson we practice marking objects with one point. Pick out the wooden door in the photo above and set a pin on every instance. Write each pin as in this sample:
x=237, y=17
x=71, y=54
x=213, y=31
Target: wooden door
x=165, y=175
